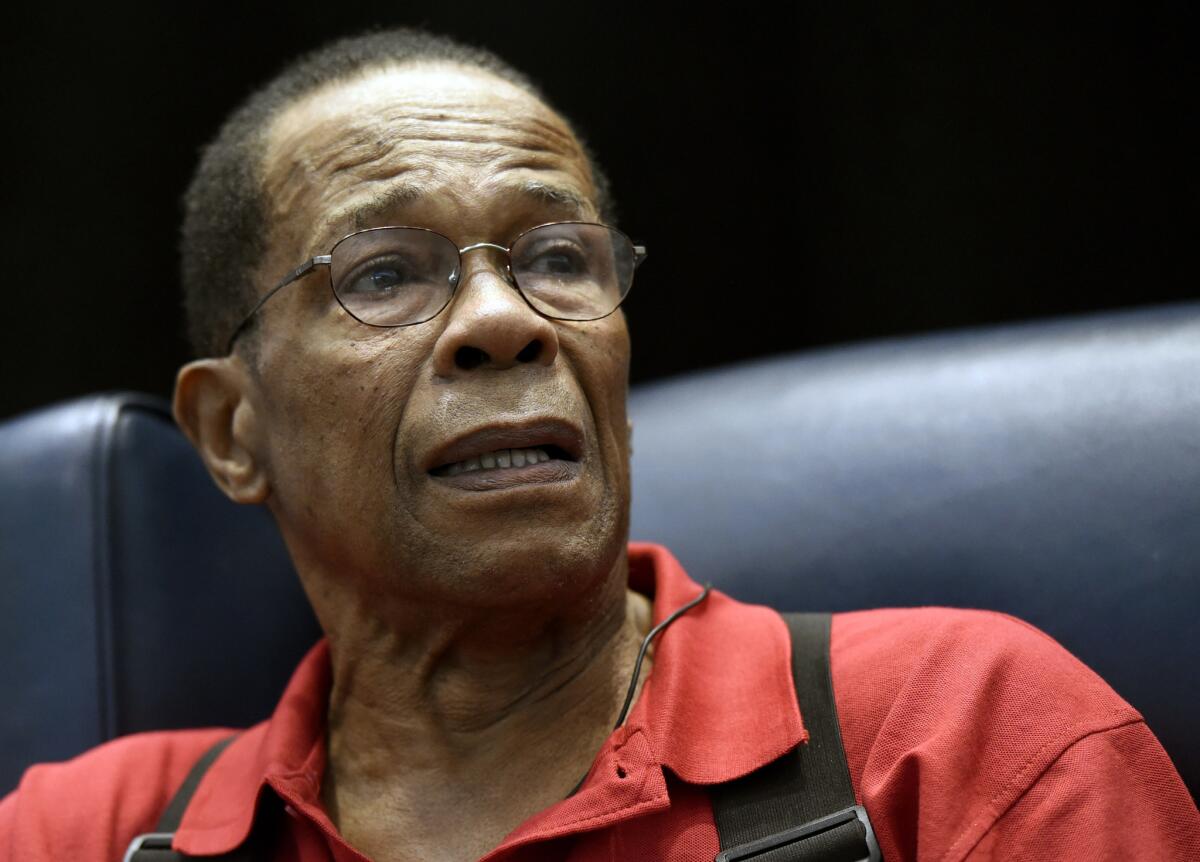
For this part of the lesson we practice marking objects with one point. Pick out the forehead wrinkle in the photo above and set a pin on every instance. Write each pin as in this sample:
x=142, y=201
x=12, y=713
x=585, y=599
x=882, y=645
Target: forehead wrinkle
x=307, y=169
x=339, y=151
x=368, y=213
x=360, y=144
x=439, y=111
x=484, y=136
x=357, y=152
x=498, y=162
x=518, y=125
x=368, y=160
x=340, y=138
x=439, y=108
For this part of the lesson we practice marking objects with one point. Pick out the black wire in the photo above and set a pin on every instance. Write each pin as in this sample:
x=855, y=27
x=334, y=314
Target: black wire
x=637, y=667
x=654, y=632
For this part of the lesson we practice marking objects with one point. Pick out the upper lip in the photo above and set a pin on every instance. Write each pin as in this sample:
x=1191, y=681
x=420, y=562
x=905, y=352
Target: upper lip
x=528, y=434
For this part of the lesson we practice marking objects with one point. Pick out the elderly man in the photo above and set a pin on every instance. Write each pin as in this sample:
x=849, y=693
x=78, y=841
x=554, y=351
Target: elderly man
x=399, y=265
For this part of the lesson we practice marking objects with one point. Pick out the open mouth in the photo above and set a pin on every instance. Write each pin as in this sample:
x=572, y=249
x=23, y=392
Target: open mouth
x=504, y=459
x=507, y=455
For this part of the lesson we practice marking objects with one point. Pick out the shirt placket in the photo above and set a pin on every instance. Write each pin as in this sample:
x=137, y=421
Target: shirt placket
x=626, y=781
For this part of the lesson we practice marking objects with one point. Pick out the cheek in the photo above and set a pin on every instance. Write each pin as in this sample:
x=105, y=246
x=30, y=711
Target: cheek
x=334, y=410
x=616, y=352
x=603, y=367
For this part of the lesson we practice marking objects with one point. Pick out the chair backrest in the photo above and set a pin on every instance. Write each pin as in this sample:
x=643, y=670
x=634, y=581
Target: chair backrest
x=136, y=596
x=1048, y=470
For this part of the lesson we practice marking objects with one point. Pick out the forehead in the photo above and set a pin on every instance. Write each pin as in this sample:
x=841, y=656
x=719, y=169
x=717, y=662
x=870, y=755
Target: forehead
x=396, y=136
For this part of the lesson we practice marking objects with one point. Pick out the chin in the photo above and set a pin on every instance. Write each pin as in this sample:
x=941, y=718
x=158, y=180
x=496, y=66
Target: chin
x=545, y=563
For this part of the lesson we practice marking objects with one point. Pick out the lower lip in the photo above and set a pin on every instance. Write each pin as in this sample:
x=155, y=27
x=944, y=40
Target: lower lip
x=500, y=478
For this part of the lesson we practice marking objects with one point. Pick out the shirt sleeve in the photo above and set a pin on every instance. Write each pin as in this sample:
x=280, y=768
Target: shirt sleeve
x=1111, y=795
x=8, y=807
x=973, y=735
x=90, y=808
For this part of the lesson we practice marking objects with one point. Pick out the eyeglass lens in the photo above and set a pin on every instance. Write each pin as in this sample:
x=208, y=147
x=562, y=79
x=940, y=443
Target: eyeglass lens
x=396, y=276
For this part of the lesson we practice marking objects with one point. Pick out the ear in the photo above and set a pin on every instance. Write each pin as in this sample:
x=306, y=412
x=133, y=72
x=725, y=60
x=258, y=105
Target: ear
x=213, y=406
x=629, y=422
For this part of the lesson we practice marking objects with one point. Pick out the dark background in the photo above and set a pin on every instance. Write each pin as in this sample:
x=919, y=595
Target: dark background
x=800, y=178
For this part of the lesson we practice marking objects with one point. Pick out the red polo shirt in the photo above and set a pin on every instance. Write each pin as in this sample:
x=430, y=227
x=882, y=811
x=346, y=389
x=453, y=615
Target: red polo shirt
x=969, y=734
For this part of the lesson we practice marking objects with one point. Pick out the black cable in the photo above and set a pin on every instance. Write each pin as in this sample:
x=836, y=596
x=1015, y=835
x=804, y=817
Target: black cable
x=637, y=667
x=654, y=632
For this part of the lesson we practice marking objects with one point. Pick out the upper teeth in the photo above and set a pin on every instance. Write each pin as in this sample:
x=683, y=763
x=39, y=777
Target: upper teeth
x=499, y=458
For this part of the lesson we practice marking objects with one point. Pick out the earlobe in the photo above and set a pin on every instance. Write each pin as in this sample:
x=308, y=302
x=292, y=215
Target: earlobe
x=212, y=406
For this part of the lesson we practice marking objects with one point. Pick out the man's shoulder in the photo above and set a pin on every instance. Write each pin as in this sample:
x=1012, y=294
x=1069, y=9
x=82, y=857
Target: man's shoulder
x=956, y=713
x=955, y=661
x=90, y=806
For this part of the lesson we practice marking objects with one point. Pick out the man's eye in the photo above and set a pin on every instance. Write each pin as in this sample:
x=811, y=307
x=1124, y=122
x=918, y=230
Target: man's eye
x=379, y=280
x=383, y=279
x=563, y=260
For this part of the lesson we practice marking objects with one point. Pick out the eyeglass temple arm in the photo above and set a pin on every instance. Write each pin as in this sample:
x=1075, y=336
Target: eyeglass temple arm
x=299, y=272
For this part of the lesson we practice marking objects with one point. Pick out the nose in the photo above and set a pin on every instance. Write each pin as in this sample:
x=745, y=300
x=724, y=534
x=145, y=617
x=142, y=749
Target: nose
x=490, y=325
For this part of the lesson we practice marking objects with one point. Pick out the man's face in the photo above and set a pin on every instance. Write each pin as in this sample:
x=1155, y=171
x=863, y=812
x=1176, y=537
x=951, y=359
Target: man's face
x=358, y=423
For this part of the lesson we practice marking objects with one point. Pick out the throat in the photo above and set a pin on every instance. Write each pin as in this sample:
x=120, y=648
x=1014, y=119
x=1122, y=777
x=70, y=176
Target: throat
x=410, y=777
x=437, y=718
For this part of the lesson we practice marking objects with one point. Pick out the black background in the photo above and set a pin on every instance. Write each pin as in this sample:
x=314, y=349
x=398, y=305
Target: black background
x=801, y=178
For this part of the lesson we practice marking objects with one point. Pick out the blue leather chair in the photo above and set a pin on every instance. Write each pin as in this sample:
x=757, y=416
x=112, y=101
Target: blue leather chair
x=1050, y=470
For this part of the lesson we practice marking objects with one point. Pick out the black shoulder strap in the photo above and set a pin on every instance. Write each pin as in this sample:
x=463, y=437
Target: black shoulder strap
x=801, y=807
x=156, y=846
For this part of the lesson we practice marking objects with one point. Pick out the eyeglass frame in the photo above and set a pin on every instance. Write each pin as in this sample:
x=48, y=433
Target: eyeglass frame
x=639, y=255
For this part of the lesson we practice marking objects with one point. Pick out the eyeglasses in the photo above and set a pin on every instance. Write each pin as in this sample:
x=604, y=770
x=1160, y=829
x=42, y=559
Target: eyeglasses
x=401, y=276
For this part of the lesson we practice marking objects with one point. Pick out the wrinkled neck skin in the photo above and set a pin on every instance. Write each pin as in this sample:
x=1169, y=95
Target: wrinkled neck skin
x=450, y=726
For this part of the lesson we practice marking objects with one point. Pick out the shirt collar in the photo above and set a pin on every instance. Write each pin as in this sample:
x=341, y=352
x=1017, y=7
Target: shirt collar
x=719, y=703
x=286, y=752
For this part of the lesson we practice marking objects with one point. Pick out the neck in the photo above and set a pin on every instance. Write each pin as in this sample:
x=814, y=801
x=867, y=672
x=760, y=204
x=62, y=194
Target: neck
x=492, y=715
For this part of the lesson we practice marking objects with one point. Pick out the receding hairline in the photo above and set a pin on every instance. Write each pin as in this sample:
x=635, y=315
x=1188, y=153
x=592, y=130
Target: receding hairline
x=271, y=130
x=418, y=65
x=399, y=193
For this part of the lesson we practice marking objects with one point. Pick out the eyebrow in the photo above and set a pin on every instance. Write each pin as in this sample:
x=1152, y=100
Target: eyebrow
x=391, y=198
x=547, y=193
x=396, y=196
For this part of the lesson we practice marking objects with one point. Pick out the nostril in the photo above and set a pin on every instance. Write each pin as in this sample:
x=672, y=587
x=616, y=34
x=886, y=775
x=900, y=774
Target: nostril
x=467, y=358
x=530, y=351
